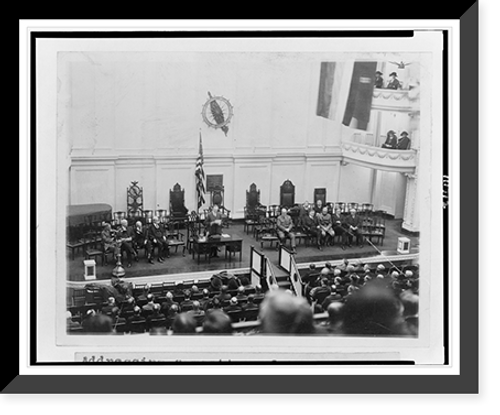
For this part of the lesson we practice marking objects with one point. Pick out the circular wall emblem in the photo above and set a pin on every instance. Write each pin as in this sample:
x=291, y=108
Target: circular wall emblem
x=217, y=112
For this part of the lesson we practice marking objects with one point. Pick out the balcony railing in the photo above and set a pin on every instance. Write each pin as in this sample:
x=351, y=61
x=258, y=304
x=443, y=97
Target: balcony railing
x=379, y=158
x=394, y=100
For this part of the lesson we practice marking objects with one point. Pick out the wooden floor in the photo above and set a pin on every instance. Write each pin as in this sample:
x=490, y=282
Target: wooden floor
x=179, y=264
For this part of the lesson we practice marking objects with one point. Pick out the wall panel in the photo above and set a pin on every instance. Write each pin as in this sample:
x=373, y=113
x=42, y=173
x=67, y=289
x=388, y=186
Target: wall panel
x=92, y=184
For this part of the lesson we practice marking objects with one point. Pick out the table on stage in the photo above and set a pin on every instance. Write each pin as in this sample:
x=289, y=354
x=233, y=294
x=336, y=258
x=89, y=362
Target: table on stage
x=205, y=246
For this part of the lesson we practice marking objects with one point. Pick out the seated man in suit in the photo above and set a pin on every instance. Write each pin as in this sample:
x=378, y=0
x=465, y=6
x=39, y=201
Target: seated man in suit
x=214, y=221
x=325, y=226
x=108, y=237
x=338, y=225
x=125, y=234
x=284, y=226
x=311, y=227
x=353, y=228
x=214, y=226
x=304, y=211
x=318, y=207
x=140, y=240
x=156, y=237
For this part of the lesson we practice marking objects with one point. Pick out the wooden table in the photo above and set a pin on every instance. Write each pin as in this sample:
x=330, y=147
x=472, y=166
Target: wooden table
x=205, y=246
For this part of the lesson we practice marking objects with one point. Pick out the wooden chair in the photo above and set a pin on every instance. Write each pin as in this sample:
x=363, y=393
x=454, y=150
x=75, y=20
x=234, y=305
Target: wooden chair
x=178, y=209
x=341, y=206
x=217, y=198
x=162, y=214
x=135, y=199
x=287, y=194
x=118, y=217
x=320, y=194
x=232, y=248
x=75, y=239
x=352, y=205
x=194, y=229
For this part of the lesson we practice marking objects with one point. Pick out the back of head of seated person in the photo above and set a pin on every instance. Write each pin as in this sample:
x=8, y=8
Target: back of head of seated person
x=98, y=324
x=334, y=322
x=184, y=323
x=217, y=322
x=284, y=313
x=374, y=309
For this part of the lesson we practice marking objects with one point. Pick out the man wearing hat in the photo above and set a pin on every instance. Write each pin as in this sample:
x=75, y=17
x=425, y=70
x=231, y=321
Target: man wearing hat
x=379, y=81
x=393, y=82
x=403, y=141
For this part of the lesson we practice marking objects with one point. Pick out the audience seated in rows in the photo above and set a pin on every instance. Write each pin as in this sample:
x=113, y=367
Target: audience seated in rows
x=347, y=290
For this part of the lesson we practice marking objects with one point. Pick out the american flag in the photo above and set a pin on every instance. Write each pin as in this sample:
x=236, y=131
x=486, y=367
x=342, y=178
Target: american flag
x=200, y=177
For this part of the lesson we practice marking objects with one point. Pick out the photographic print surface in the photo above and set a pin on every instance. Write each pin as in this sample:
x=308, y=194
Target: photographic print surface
x=179, y=161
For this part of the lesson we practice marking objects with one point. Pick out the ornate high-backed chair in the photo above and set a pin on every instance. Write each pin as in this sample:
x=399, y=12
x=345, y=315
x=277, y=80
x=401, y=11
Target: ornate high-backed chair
x=320, y=194
x=254, y=211
x=177, y=207
x=287, y=194
x=253, y=198
x=217, y=198
x=135, y=200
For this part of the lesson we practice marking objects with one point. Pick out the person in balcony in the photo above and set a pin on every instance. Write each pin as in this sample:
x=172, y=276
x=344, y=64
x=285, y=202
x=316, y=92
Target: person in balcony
x=379, y=81
x=403, y=141
x=391, y=140
x=393, y=81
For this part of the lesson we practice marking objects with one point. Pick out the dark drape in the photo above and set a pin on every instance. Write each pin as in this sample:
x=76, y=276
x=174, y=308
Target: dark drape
x=325, y=89
x=359, y=100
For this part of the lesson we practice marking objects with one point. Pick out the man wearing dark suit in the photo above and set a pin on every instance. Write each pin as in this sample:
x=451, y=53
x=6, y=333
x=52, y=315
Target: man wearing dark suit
x=284, y=226
x=214, y=221
x=403, y=141
x=353, y=224
x=304, y=212
x=156, y=318
x=205, y=301
x=156, y=237
x=318, y=207
x=334, y=296
x=310, y=226
x=136, y=322
x=338, y=226
x=251, y=310
x=325, y=226
x=233, y=310
x=214, y=227
x=140, y=240
x=125, y=234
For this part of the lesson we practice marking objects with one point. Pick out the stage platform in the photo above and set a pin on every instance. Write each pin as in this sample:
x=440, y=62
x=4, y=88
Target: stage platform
x=179, y=267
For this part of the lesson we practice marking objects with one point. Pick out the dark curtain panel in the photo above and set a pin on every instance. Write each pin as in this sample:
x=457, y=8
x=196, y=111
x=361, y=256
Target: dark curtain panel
x=325, y=89
x=359, y=101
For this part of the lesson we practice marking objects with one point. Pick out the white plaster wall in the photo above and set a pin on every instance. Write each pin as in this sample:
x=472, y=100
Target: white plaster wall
x=355, y=184
x=137, y=117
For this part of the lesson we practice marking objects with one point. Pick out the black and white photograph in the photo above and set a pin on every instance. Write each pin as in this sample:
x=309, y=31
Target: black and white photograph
x=241, y=198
